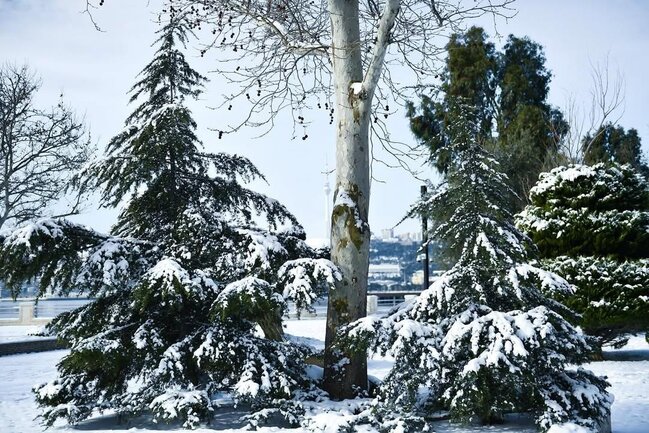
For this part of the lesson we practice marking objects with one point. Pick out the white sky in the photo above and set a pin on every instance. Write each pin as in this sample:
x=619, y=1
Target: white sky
x=94, y=70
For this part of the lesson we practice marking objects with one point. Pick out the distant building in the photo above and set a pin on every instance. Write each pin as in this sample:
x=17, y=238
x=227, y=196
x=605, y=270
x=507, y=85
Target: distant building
x=387, y=234
x=417, y=278
x=384, y=271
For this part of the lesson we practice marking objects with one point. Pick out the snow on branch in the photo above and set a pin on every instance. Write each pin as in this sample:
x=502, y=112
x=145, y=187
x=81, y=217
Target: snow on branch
x=262, y=248
x=65, y=256
x=303, y=281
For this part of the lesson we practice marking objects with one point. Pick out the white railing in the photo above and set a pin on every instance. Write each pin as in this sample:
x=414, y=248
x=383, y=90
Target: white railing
x=26, y=316
x=31, y=312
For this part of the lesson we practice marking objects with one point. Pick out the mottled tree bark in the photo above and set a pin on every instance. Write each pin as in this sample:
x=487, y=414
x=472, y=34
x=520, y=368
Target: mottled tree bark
x=346, y=373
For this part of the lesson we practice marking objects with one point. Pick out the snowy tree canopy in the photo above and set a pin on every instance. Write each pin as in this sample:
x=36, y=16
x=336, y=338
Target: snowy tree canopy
x=483, y=340
x=189, y=290
x=591, y=224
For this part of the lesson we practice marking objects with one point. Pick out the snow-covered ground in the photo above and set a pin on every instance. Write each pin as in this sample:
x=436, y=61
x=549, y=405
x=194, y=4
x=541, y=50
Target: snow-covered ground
x=18, y=373
x=10, y=334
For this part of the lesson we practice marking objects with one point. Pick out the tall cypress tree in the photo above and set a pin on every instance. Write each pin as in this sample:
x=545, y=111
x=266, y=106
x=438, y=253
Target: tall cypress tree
x=189, y=289
x=508, y=91
x=483, y=340
x=470, y=77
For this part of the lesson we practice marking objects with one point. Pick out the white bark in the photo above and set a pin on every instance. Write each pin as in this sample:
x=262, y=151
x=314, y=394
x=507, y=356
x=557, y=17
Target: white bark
x=349, y=222
x=350, y=231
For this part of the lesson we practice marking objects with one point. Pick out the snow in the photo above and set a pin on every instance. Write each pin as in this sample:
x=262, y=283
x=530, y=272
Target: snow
x=356, y=88
x=46, y=227
x=168, y=270
x=261, y=248
x=317, y=242
x=344, y=200
x=11, y=334
x=561, y=174
x=303, y=280
x=18, y=373
x=568, y=428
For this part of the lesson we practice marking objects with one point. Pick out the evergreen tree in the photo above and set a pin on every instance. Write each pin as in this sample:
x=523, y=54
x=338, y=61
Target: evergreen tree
x=613, y=144
x=483, y=340
x=509, y=92
x=189, y=291
x=590, y=225
x=529, y=128
x=470, y=76
x=524, y=81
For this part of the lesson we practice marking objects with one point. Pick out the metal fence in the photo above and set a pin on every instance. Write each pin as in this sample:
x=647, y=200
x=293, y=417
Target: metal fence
x=8, y=310
x=47, y=308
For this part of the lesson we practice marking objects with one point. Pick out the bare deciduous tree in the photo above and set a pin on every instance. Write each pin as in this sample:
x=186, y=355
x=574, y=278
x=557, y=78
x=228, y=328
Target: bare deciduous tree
x=40, y=149
x=606, y=106
x=349, y=59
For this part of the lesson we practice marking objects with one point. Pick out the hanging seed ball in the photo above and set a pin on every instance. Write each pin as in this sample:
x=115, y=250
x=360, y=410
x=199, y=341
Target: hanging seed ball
x=230, y=107
x=220, y=135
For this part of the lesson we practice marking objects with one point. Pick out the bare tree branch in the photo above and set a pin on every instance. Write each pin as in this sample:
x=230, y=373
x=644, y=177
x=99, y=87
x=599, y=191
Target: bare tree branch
x=39, y=150
x=606, y=106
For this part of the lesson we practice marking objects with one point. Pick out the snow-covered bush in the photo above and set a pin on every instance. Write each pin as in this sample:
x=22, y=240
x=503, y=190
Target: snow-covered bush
x=188, y=290
x=591, y=224
x=483, y=340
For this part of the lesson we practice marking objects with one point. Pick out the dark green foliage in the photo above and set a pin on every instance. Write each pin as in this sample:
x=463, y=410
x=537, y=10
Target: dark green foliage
x=189, y=290
x=524, y=80
x=613, y=295
x=469, y=79
x=590, y=225
x=471, y=68
x=508, y=92
x=613, y=144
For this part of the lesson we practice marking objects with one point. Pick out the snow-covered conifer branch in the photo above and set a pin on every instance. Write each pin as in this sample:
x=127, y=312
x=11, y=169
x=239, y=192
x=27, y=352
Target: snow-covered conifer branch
x=303, y=281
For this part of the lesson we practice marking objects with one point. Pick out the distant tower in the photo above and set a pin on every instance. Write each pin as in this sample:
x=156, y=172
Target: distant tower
x=327, y=191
